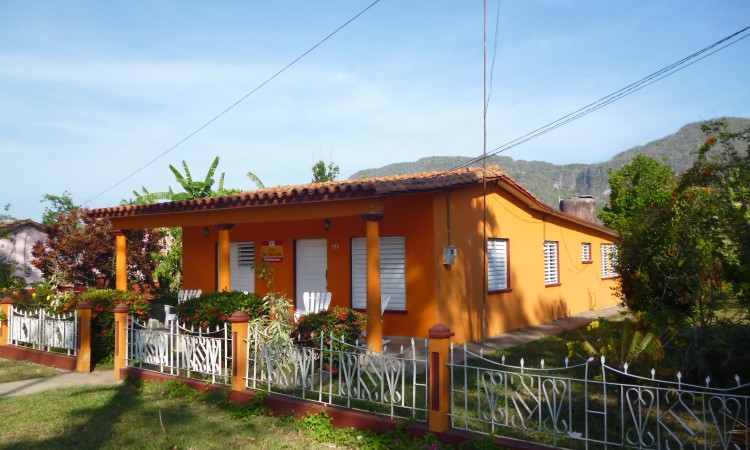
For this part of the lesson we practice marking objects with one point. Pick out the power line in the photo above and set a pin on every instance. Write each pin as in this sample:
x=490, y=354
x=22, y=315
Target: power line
x=617, y=95
x=494, y=55
x=216, y=117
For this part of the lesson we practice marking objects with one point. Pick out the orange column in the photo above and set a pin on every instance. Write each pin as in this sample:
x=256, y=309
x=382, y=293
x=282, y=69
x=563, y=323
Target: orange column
x=440, y=381
x=5, y=303
x=374, y=326
x=121, y=341
x=83, y=353
x=121, y=262
x=225, y=280
x=239, y=322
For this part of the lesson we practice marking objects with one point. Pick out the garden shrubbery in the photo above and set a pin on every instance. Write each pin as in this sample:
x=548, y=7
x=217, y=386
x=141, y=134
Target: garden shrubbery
x=103, y=302
x=215, y=308
x=345, y=324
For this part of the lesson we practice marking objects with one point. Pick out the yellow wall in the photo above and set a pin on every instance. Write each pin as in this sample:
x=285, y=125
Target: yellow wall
x=529, y=301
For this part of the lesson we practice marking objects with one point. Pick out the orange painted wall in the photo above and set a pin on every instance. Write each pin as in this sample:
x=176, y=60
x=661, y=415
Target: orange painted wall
x=460, y=287
x=435, y=293
x=409, y=216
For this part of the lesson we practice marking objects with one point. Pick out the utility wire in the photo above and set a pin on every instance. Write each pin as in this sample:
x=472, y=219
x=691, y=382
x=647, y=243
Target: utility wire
x=494, y=55
x=613, y=97
x=216, y=117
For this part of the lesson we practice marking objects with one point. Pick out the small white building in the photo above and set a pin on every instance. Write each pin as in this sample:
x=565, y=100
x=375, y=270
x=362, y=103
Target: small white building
x=16, y=240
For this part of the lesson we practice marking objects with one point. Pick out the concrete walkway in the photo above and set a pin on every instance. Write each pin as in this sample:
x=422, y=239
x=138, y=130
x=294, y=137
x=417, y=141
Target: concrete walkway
x=516, y=337
x=505, y=340
x=65, y=379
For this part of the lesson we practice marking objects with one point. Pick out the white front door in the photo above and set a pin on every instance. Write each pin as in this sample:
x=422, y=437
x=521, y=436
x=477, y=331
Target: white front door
x=311, y=267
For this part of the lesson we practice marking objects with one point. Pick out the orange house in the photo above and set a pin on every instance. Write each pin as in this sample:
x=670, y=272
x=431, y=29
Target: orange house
x=418, y=238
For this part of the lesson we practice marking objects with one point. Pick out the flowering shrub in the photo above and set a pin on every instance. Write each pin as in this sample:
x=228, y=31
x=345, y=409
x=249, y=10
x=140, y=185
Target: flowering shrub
x=103, y=303
x=215, y=308
x=346, y=324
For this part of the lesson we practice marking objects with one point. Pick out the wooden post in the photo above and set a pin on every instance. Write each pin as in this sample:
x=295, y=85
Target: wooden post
x=121, y=338
x=239, y=321
x=121, y=262
x=374, y=325
x=225, y=276
x=440, y=381
x=5, y=304
x=83, y=353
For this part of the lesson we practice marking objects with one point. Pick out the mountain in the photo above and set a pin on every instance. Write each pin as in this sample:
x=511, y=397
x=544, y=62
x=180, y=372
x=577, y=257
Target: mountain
x=552, y=182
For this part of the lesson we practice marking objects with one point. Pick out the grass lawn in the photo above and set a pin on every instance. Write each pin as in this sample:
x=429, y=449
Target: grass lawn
x=22, y=370
x=160, y=415
x=170, y=415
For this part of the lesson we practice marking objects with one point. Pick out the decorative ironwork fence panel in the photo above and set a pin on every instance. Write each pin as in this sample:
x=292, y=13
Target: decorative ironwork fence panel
x=194, y=353
x=334, y=372
x=41, y=330
x=593, y=405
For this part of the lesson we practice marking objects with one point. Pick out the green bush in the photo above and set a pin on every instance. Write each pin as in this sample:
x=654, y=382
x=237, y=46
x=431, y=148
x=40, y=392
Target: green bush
x=215, y=308
x=345, y=324
x=103, y=302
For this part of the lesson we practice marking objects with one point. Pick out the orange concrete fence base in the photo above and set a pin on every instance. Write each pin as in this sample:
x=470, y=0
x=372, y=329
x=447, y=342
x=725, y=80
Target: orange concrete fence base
x=80, y=363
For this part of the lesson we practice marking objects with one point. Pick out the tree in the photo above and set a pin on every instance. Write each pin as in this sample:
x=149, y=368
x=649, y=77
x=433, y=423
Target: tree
x=639, y=210
x=79, y=249
x=191, y=188
x=169, y=269
x=58, y=205
x=6, y=216
x=321, y=172
x=685, y=248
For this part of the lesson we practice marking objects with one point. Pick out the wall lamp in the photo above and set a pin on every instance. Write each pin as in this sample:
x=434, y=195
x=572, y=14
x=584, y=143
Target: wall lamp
x=327, y=224
x=205, y=232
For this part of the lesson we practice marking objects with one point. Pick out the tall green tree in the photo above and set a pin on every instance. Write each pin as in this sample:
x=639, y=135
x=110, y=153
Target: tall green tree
x=57, y=205
x=685, y=247
x=321, y=172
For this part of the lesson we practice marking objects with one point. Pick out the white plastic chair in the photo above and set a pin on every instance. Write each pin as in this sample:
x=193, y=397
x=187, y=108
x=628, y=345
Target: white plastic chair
x=384, y=299
x=169, y=316
x=187, y=295
x=313, y=302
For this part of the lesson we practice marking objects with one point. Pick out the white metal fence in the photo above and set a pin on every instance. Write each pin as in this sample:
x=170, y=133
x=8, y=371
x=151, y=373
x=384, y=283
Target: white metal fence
x=194, y=353
x=328, y=370
x=593, y=405
x=44, y=331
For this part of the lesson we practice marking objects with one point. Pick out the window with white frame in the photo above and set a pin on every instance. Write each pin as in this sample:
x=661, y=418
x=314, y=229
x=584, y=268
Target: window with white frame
x=497, y=265
x=585, y=252
x=551, y=266
x=609, y=259
x=242, y=266
x=392, y=272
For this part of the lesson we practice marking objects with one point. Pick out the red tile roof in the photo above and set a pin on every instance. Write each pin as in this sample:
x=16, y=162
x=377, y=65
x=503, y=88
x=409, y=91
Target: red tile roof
x=347, y=189
x=315, y=192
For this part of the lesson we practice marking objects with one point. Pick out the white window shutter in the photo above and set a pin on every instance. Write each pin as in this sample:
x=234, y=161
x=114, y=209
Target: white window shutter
x=242, y=266
x=392, y=272
x=497, y=264
x=551, y=271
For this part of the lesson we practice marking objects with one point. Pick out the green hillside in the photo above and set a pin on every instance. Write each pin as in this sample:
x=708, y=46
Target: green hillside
x=551, y=182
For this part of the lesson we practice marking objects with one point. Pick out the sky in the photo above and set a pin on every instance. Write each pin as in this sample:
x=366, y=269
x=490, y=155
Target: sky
x=92, y=91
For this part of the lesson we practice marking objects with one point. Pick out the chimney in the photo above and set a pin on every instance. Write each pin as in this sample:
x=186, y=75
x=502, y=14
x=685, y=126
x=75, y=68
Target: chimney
x=583, y=207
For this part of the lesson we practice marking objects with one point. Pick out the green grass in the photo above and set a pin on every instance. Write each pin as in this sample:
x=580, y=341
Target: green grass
x=23, y=370
x=159, y=415
x=172, y=415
